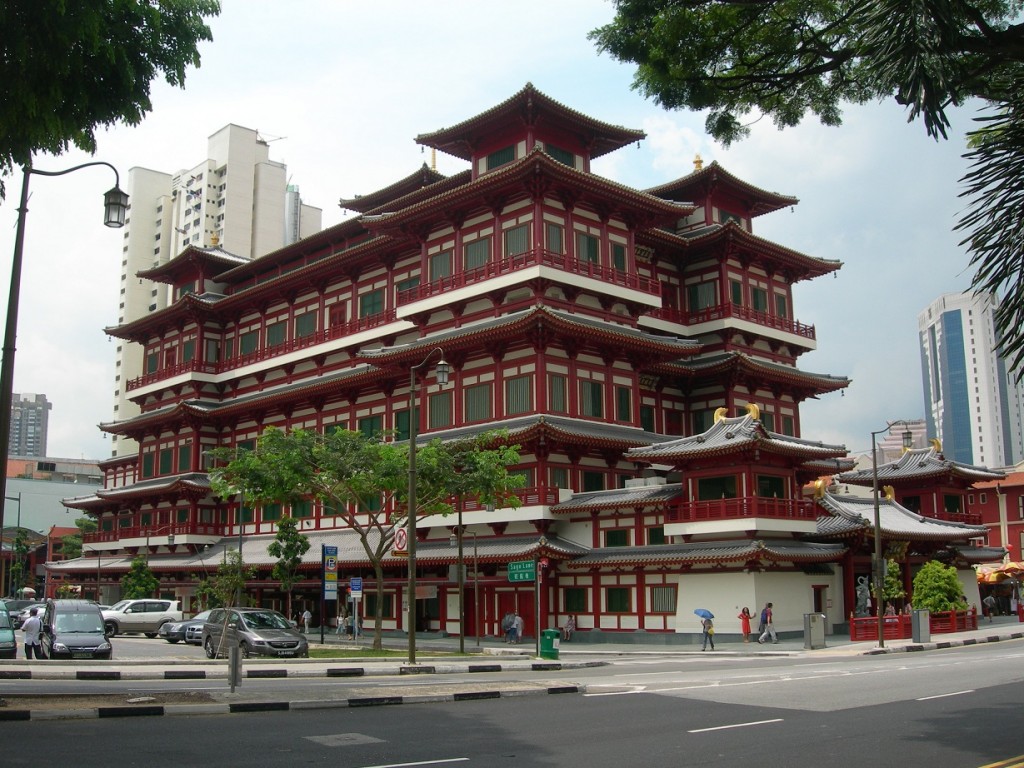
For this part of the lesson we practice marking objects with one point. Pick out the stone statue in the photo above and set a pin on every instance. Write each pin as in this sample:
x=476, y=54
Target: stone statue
x=863, y=594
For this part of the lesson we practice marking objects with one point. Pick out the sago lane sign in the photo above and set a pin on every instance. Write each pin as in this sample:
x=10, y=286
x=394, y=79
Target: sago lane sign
x=522, y=570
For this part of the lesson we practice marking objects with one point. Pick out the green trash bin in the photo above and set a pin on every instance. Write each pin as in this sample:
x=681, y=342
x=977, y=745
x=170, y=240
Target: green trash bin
x=549, y=640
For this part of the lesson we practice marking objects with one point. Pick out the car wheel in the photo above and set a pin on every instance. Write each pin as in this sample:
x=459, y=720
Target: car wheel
x=244, y=649
x=110, y=628
x=150, y=635
x=172, y=640
x=211, y=652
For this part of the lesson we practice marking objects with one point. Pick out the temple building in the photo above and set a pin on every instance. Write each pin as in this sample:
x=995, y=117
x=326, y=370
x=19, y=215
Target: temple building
x=640, y=346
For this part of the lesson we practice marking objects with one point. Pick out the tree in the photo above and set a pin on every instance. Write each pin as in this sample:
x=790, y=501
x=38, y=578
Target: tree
x=71, y=545
x=364, y=481
x=227, y=587
x=937, y=588
x=67, y=68
x=892, y=589
x=288, y=546
x=139, y=581
x=785, y=58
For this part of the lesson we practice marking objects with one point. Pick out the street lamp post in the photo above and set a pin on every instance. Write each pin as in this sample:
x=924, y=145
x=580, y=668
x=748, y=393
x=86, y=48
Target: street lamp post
x=441, y=370
x=115, y=206
x=908, y=438
x=8, y=498
x=476, y=592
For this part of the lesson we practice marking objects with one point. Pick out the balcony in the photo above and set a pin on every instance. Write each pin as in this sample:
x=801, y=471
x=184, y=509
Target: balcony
x=733, y=311
x=572, y=266
x=728, y=510
x=266, y=353
x=966, y=518
x=139, y=532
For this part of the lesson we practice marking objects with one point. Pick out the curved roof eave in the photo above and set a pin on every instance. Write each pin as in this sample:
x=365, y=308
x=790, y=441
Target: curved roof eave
x=765, y=201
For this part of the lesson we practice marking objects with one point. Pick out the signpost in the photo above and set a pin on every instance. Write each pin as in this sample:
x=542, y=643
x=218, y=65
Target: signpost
x=355, y=586
x=522, y=570
x=401, y=548
x=329, y=581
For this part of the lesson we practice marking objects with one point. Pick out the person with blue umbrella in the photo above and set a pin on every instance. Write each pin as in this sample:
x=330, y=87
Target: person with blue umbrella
x=708, y=626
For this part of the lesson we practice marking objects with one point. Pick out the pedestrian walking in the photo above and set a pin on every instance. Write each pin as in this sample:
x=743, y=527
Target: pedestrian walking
x=508, y=625
x=768, y=624
x=307, y=618
x=518, y=625
x=32, y=629
x=744, y=617
x=990, y=606
x=341, y=623
x=708, y=626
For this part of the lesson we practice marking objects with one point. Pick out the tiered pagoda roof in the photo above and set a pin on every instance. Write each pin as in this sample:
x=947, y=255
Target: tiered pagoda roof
x=919, y=465
x=703, y=181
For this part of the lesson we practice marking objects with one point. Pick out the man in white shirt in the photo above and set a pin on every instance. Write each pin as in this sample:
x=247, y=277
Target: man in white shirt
x=307, y=617
x=32, y=628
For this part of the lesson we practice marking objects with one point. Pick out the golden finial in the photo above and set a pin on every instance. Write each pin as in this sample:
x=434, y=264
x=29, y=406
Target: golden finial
x=936, y=444
x=753, y=411
x=819, y=489
x=720, y=414
x=698, y=162
x=433, y=158
x=214, y=240
x=889, y=492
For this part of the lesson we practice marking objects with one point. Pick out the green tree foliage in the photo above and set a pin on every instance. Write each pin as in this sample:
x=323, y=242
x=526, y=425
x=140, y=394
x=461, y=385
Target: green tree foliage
x=364, y=481
x=786, y=58
x=67, y=68
x=71, y=545
x=937, y=588
x=892, y=589
x=139, y=582
x=227, y=587
x=288, y=546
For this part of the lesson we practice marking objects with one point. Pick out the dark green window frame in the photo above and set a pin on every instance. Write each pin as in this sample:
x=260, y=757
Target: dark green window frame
x=184, y=458
x=592, y=399
x=152, y=362
x=623, y=403
x=248, y=342
x=593, y=480
x=619, y=256
x=305, y=324
x=781, y=305
x=554, y=236
x=758, y=299
x=736, y=292
x=558, y=391
x=517, y=240
x=271, y=513
x=302, y=509
x=716, y=488
x=440, y=413
x=518, y=395
x=617, y=600
x=559, y=477
x=277, y=333
x=564, y=156
x=440, y=266
x=148, y=462
x=656, y=535
x=647, y=414
x=588, y=248
x=476, y=254
x=188, y=351
x=771, y=486
x=371, y=303
x=388, y=610
x=477, y=402
x=166, y=461
x=371, y=426
x=574, y=599
x=617, y=537
x=501, y=157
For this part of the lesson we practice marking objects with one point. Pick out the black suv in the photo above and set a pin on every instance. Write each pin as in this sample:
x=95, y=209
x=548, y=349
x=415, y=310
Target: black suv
x=73, y=629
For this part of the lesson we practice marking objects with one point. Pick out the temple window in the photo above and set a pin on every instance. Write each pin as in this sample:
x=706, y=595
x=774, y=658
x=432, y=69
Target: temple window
x=656, y=535
x=302, y=509
x=185, y=457
x=166, y=461
x=371, y=303
x=788, y=426
x=152, y=362
x=554, y=235
x=587, y=248
x=564, y=156
x=147, y=463
x=647, y=418
x=477, y=253
x=759, y=299
x=592, y=399
x=663, y=599
x=616, y=538
x=767, y=420
x=623, y=404
x=574, y=600
x=771, y=487
x=276, y=333
x=619, y=256
x=711, y=488
x=212, y=354
x=271, y=513
x=402, y=424
x=557, y=393
x=781, y=305
x=188, y=350
x=248, y=342
x=592, y=480
x=338, y=316
x=371, y=426
x=440, y=413
x=703, y=420
x=440, y=265
x=951, y=502
x=518, y=393
x=560, y=477
x=305, y=325
x=517, y=240
x=736, y=292
x=500, y=157
x=617, y=600
x=478, y=402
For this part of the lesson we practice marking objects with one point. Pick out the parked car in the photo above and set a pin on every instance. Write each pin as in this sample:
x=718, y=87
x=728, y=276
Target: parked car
x=176, y=631
x=73, y=629
x=17, y=619
x=18, y=608
x=146, y=616
x=8, y=642
x=256, y=631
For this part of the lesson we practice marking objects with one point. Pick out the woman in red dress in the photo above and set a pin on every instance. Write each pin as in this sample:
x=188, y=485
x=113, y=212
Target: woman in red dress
x=744, y=618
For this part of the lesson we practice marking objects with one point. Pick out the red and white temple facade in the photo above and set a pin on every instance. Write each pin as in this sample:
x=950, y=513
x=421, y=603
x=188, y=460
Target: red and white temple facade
x=641, y=346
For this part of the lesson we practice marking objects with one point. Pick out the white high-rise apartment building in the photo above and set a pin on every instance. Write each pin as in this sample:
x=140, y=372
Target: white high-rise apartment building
x=237, y=199
x=972, y=403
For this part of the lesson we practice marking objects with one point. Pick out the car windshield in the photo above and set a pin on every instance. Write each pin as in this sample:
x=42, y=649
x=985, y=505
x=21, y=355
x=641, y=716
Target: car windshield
x=78, y=622
x=5, y=620
x=120, y=605
x=265, y=620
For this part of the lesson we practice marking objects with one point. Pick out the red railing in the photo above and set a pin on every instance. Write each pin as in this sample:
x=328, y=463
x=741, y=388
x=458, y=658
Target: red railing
x=967, y=518
x=529, y=497
x=266, y=353
x=746, y=507
x=899, y=627
x=539, y=257
x=723, y=311
x=139, y=532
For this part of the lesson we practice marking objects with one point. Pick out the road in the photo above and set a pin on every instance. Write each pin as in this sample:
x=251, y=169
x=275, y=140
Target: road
x=949, y=708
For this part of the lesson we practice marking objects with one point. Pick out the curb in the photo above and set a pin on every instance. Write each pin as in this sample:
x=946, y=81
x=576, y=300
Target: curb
x=944, y=644
x=241, y=707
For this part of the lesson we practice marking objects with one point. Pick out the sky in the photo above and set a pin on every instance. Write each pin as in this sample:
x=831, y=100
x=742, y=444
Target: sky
x=340, y=89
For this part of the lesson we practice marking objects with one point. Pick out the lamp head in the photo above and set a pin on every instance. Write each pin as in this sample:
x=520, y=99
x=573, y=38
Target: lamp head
x=115, y=207
x=441, y=371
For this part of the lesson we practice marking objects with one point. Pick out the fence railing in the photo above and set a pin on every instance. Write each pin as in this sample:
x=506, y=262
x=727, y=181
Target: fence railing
x=899, y=627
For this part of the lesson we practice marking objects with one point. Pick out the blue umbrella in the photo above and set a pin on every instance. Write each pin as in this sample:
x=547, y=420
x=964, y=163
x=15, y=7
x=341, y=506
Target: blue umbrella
x=704, y=613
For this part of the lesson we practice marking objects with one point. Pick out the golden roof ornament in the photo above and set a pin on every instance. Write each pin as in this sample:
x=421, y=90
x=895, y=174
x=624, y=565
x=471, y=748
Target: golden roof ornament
x=889, y=492
x=753, y=411
x=720, y=414
x=698, y=162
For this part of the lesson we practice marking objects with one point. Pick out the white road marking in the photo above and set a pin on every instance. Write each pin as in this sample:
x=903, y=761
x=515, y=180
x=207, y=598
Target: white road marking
x=944, y=695
x=420, y=762
x=736, y=725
